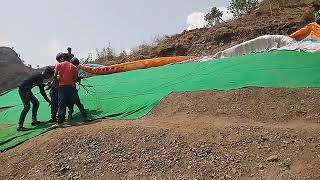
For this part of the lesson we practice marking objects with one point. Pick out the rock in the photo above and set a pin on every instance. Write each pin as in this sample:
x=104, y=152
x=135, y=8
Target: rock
x=287, y=162
x=272, y=158
x=64, y=169
x=261, y=166
x=234, y=171
x=285, y=142
x=228, y=176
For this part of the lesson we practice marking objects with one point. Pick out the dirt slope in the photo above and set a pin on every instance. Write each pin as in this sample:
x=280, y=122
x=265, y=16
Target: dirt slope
x=241, y=134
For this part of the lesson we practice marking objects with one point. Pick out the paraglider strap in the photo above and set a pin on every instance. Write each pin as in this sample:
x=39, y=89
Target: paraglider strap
x=85, y=87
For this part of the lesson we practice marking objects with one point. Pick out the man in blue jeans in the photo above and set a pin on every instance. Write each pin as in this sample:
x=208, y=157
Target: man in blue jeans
x=28, y=97
x=54, y=88
x=66, y=74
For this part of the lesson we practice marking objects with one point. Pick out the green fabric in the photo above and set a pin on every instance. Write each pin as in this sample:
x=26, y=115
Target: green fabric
x=133, y=94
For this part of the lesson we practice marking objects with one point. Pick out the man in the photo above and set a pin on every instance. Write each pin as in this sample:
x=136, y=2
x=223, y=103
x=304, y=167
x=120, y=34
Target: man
x=53, y=86
x=27, y=96
x=76, y=99
x=66, y=75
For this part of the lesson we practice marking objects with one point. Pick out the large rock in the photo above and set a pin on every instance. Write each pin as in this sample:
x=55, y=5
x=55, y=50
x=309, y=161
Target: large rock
x=12, y=70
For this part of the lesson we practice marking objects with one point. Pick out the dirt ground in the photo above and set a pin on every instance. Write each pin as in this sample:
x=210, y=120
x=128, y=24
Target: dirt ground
x=242, y=134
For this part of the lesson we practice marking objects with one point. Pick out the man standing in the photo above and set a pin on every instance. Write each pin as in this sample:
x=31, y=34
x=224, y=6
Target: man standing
x=54, y=88
x=66, y=75
x=76, y=99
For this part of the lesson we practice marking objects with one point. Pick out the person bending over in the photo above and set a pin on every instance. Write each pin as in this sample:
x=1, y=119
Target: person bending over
x=28, y=97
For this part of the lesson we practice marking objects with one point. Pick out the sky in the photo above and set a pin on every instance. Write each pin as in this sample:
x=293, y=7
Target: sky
x=39, y=29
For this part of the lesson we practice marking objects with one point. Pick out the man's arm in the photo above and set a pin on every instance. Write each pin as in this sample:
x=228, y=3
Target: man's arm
x=44, y=94
x=55, y=76
x=78, y=78
x=75, y=76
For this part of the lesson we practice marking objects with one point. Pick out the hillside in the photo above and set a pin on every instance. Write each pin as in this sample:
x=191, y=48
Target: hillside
x=13, y=71
x=286, y=18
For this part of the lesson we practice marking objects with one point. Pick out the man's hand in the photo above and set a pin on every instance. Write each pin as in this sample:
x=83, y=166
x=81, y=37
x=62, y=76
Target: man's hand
x=81, y=77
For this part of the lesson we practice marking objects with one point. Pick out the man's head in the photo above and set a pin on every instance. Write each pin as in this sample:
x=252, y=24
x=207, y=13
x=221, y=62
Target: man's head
x=48, y=72
x=61, y=57
x=75, y=61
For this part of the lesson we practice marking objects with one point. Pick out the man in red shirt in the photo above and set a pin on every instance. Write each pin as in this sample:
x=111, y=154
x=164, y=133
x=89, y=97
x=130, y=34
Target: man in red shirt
x=66, y=75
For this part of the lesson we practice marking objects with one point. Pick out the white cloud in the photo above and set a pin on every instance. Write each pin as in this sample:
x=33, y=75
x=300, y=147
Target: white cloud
x=227, y=15
x=196, y=19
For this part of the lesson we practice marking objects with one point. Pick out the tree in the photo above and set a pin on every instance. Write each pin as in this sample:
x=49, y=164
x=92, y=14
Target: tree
x=123, y=54
x=106, y=55
x=240, y=7
x=88, y=59
x=214, y=16
x=110, y=54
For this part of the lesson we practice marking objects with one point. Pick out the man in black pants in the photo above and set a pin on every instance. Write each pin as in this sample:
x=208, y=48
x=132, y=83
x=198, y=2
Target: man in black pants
x=54, y=92
x=27, y=96
x=76, y=99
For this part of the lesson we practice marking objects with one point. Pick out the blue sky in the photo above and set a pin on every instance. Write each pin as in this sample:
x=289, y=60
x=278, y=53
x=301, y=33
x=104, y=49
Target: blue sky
x=39, y=29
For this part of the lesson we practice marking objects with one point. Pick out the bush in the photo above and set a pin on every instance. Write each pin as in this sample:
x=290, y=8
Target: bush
x=240, y=7
x=214, y=16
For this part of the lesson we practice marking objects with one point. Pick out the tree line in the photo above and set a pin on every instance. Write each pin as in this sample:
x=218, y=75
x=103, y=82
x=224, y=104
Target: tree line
x=237, y=7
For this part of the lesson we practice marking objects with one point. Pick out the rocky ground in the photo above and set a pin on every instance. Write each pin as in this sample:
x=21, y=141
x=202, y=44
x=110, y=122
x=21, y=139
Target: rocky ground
x=242, y=134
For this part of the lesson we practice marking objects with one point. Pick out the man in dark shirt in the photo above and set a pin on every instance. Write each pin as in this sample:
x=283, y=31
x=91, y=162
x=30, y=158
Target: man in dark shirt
x=27, y=96
x=76, y=99
x=61, y=57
